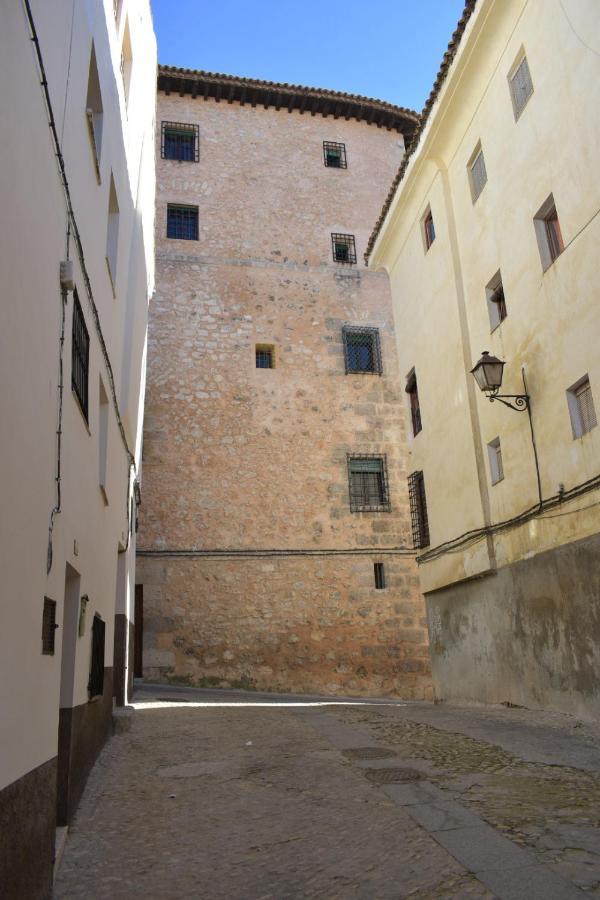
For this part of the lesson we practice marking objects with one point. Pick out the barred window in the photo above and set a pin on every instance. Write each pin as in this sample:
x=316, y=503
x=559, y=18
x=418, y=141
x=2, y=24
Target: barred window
x=265, y=356
x=49, y=626
x=96, y=681
x=343, y=248
x=415, y=408
x=334, y=155
x=418, y=510
x=379, y=574
x=80, y=354
x=182, y=222
x=367, y=476
x=581, y=407
x=521, y=87
x=179, y=141
x=362, y=352
x=477, y=173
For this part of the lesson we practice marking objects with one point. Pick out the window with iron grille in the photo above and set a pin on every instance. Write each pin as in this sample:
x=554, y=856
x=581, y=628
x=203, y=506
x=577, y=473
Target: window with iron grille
x=362, y=352
x=96, y=681
x=179, y=141
x=265, y=356
x=581, y=407
x=428, y=230
x=477, y=173
x=496, y=301
x=49, y=626
x=418, y=510
x=379, y=574
x=343, y=248
x=367, y=475
x=80, y=355
x=182, y=222
x=334, y=155
x=521, y=86
x=413, y=396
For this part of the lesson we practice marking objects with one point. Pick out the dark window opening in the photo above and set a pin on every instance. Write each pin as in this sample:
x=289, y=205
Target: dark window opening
x=80, y=354
x=264, y=357
x=343, y=248
x=418, y=510
x=362, y=352
x=334, y=155
x=415, y=408
x=49, y=626
x=553, y=235
x=182, y=222
x=429, y=230
x=180, y=142
x=96, y=682
x=368, y=484
x=379, y=573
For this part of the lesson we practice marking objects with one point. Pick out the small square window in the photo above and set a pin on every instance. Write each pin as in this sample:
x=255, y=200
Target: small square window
x=581, y=407
x=495, y=459
x=548, y=233
x=496, y=302
x=367, y=476
x=415, y=408
x=179, y=141
x=49, y=626
x=265, y=356
x=182, y=222
x=343, y=248
x=477, y=173
x=379, y=575
x=521, y=86
x=418, y=510
x=334, y=155
x=428, y=229
x=80, y=357
x=361, y=349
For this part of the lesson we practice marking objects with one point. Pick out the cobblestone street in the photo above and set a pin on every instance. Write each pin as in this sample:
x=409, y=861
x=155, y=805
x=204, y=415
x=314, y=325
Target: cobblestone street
x=223, y=795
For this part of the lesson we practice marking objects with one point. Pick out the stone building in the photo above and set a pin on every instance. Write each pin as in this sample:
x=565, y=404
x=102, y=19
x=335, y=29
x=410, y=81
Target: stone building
x=275, y=548
x=490, y=236
x=77, y=187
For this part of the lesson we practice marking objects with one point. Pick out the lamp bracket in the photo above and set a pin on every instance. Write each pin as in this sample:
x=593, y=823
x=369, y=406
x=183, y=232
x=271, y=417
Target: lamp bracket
x=521, y=401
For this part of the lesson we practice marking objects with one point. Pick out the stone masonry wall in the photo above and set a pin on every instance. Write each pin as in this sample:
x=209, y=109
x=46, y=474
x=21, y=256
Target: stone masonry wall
x=239, y=459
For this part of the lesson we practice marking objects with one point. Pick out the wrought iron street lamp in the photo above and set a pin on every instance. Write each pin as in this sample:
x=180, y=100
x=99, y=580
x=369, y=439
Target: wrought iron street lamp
x=488, y=372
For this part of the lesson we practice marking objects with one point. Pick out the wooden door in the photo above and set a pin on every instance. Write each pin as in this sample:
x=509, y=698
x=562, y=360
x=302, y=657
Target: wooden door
x=138, y=639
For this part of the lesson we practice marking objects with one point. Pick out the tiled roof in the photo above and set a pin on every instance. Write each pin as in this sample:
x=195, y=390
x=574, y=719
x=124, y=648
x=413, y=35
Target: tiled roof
x=437, y=86
x=231, y=88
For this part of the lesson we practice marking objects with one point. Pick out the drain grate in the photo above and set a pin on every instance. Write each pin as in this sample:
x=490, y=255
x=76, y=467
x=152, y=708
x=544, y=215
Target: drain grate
x=369, y=753
x=392, y=775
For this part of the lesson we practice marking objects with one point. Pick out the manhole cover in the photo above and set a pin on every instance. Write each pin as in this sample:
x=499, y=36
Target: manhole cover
x=369, y=753
x=392, y=775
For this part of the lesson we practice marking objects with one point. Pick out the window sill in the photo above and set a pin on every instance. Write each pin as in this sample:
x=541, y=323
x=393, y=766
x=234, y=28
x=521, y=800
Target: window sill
x=371, y=509
x=80, y=408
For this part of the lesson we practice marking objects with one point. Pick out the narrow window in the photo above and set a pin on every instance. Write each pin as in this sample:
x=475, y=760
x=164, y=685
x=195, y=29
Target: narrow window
x=265, y=356
x=495, y=459
x=94, y=111
x=581, y=407
x=521, y=86
x=126, y=61
x=379, y=574
x=49, y=626
x=496, y=301
x=96, y=681
x=112, y=233
x=368, y=483
x=343, y=248
x=103, y=440
x=428, y=229
x=548, y=233
x=334, y=155
x=418, y=510
x=179, y=141
x=413, y=396
x=362, y=352
x=182, y=222
x=477, y=173
x=80, y=352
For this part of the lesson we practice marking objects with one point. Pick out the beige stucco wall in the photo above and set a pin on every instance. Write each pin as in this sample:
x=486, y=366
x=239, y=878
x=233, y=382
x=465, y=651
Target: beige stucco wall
x=553, y=324
x=88, y=532
x=245, y=459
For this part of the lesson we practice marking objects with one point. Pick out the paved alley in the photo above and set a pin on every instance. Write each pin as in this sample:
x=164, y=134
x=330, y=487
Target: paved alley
x=204, y=794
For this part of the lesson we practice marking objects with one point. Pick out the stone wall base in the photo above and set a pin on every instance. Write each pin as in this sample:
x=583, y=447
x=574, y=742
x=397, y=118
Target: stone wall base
x=529, y=635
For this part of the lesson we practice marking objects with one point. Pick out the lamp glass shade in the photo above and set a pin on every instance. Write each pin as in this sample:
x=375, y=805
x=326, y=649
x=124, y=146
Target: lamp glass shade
x=487, y=372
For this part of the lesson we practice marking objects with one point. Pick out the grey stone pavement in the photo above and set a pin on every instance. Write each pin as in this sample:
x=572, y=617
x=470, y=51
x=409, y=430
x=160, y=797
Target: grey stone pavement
x=222, y=794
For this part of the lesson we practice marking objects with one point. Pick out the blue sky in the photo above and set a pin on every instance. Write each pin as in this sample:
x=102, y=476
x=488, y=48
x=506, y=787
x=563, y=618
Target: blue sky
x=389, y=49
